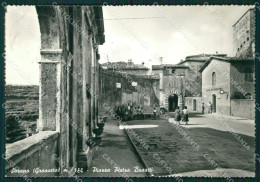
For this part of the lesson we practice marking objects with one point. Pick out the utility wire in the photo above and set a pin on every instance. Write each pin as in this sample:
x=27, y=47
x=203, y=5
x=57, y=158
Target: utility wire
x=132, y=18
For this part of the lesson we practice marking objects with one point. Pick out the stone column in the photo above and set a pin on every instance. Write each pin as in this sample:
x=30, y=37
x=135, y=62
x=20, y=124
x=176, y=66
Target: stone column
x=49, y=90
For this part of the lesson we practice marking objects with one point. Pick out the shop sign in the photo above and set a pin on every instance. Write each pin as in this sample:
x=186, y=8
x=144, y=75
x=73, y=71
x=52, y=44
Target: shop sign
x=213, y=89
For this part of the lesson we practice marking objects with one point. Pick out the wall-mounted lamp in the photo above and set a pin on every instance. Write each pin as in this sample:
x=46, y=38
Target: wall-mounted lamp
x=221, y=91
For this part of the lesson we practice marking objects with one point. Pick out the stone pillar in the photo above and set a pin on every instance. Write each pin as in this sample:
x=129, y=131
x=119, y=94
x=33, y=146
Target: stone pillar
x=49, y=90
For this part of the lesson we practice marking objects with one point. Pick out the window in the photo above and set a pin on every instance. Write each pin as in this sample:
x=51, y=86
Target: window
x=248, y=74
x=247, y=39
x=213, y=78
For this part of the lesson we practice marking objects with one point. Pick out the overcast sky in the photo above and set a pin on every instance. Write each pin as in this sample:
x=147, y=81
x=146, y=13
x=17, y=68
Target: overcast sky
x=139, y=33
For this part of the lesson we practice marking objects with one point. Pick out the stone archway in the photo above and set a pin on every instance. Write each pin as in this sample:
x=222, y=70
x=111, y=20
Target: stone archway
x=177, y=98
x=68, y=77
x=172, y=102
x=52, y=108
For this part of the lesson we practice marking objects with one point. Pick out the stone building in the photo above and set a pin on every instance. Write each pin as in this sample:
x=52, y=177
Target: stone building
x=244, y=35
x=180, y=84
x=194, y=80
x=70, y=36
x=172, y=84
x=228, y=83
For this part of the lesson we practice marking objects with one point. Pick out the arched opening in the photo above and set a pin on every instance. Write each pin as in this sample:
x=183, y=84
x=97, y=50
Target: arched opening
x=194, y=104
x=214, y=103
x=22, y=46
x=173, y=102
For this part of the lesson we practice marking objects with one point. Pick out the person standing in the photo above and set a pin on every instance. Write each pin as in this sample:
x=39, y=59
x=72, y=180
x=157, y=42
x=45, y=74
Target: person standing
x=185, y=115
x=203, y=107
x=154, y=113
x=177, y=115
x=210, y=107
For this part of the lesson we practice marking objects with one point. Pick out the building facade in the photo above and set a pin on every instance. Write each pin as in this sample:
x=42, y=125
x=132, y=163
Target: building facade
x=226, y=81
x=181, y=84
x=172, y=85
x=244, y=35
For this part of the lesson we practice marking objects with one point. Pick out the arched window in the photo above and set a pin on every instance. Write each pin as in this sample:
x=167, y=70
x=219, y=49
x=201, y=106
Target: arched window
x=194, y=105
x=213, y=78
x=248, y=74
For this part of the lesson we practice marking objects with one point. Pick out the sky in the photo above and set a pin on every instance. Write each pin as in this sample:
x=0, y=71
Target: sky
x=140, y=33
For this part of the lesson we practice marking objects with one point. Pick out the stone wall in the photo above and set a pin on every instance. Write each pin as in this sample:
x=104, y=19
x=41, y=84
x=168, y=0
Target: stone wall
x=242, y=86
x=194, y=104
x=244, y=35
x=146, y=93
x=21, y=111
x=243, y=108
x=24, y=158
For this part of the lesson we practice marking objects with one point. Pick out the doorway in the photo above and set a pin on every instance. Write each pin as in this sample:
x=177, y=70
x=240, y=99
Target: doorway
x=194, y=104
x=214, y=103
x=173, y=102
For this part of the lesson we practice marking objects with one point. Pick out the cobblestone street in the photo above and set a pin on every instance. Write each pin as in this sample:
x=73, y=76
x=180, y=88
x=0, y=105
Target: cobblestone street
x=167, y=144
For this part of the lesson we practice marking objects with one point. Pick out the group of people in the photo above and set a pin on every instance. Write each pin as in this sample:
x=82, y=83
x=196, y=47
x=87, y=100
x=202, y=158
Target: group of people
x=209, y=108
x=181, y=115
x=129, y=112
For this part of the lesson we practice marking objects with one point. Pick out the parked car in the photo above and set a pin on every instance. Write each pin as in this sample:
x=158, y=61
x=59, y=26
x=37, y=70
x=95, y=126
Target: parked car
x=163, y=110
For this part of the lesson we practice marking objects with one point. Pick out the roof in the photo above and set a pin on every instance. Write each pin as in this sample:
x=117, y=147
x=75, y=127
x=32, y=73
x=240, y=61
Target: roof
x=200, y=57
x=118, y=74
x=164, y=66
x=243, y=16
x=124, y=66
x=226, y=59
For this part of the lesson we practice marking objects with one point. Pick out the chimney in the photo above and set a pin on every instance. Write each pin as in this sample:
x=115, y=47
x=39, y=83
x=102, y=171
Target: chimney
x=129, y=62
x=216, y=52
x=161, y=60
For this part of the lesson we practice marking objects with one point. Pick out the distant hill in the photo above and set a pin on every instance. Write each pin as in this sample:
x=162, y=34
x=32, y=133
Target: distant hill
x=21, y=111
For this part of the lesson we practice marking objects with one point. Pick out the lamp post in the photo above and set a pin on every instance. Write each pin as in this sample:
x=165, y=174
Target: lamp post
x=181, y=76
